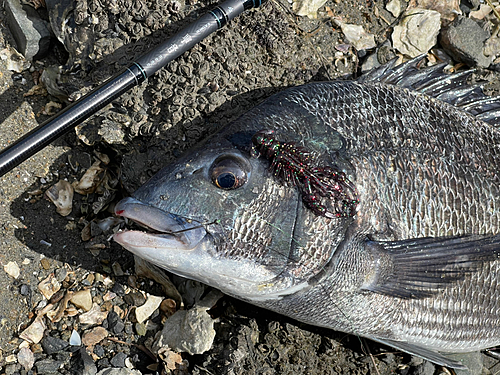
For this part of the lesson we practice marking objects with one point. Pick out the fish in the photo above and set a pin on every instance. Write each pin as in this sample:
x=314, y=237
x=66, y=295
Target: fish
x=369, y=206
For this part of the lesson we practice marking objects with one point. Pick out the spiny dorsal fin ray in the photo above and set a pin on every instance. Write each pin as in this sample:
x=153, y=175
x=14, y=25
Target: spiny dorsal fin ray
x=434, y=82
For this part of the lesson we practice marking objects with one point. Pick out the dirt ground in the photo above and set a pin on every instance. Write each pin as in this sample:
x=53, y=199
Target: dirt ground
x=256, y=55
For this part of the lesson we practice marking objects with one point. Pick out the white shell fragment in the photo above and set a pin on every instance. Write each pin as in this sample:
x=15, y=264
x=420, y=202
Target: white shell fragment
x=49, y=286
x=307, y=8
x=12, y=269
x=75, y=339
x=417, y=32
x=26, y=358
x=15, y=61
x=93, y=316
x=34, y=333
x=61, y=194
x=145, y=311
x=357, y=36
x=90, y=180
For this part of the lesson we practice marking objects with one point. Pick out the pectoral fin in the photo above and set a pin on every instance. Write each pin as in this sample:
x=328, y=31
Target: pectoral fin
x=430, y=355
x=421, y=267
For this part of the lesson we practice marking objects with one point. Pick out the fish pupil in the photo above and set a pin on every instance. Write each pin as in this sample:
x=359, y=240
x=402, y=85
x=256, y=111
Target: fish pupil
x=226, y=180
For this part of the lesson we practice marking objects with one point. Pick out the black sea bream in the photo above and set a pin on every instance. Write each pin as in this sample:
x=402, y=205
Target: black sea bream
x=370, y=207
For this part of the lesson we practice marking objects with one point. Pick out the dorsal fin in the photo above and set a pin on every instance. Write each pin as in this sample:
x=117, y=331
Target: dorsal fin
x=434, y=82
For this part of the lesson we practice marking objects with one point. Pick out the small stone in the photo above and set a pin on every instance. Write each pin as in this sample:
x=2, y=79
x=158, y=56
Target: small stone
x=118, y=360
x=357, y=36
x=117, y=269
x=94, y=336
x=118, y=327
x=140, y=328
x=61, y=274
x=82, y=299
x=25, y=290
x=93, y=316
x=12, y=269
x=109, y=296
x=464, y=40
x=49, y=286
x=168, y=307
x=99, y=351
x=75, y=339
x=307, y=8
x=129, y=328
x=103, y=363
x=11, y=358
x=113, y=317
x=34, y=332
x=135, y=298
x=52, y=345
x=47, y=366
x=45, y=263
x=118, y=289
x=145, y=311
x=26, y=358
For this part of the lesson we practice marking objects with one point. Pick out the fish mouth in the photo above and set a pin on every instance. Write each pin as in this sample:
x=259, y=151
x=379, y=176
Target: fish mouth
x=162, y=230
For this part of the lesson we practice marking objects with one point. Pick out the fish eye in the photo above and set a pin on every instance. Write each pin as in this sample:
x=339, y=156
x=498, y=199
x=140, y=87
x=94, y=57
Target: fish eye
x=228, y=172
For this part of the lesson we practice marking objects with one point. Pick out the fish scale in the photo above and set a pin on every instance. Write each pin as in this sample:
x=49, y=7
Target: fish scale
x=415, y=265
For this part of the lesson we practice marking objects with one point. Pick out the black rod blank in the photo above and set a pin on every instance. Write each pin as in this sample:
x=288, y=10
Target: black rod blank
x=134, y=75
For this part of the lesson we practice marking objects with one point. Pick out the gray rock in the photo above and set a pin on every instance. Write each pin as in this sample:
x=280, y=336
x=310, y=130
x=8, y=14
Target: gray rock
x=118, y=327
x=28, y=29
x=52, y=345
x=89, y=367
x=118, y=360
x=47, y=366
x=473, y=361
x=135, y=299
x=371, y=62
x=464, y=41
x=190, y=331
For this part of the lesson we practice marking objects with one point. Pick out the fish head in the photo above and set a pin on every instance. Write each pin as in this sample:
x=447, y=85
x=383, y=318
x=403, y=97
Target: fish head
x=217, y=216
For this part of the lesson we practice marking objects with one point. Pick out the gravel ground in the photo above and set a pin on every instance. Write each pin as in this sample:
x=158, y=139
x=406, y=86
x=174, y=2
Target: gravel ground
x=256, y=55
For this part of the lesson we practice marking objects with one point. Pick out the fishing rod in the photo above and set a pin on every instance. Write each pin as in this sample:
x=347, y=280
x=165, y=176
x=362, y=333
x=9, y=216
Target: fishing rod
x=134, y=75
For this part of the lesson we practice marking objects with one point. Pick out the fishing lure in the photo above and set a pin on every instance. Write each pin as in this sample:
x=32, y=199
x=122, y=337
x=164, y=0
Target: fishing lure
x=294, y=164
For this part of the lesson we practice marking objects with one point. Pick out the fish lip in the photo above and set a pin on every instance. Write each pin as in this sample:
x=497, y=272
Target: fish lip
x=162, y=228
